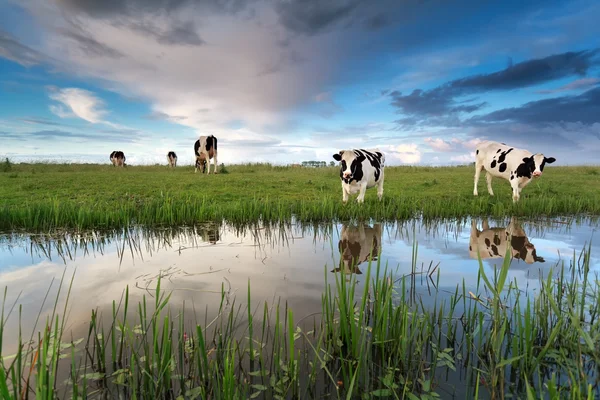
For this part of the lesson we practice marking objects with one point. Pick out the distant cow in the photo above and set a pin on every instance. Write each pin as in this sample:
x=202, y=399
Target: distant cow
x=357, y=245
x=117, y=158
x=361, y=170
x=205, y=149
x=172, y=159
x=515, y=165
x=493, y=242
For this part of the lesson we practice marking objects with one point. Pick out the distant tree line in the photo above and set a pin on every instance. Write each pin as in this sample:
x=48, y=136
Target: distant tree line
x=314, y=164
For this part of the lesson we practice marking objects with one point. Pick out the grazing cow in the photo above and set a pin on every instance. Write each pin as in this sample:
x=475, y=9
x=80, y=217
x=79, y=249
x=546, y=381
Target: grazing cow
x=206, y=149
x=517, y=166
x=172, y=159
x=117, y=158
x=493, y=242
x=361, y=170
x=357, y=245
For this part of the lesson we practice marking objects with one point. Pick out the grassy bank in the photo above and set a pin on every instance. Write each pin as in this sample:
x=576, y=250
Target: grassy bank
x=50, y=196
x=378, y=341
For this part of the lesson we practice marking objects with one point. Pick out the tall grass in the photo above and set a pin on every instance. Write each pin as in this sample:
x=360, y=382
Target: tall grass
x=373, y=339
x=166, y=210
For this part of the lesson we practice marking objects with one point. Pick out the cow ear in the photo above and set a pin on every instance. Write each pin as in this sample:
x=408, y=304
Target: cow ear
x=550, y=160
x=338, y=156
x=528, y=159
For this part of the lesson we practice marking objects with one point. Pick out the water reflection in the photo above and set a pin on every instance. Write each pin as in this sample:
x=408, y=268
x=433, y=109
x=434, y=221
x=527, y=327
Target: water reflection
x=495, y=242
x=358, y=244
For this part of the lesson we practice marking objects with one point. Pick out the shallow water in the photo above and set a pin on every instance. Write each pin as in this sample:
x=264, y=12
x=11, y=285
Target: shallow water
x=287, y=262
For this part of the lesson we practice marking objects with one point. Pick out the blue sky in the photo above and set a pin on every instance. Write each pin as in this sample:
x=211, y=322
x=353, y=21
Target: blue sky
x=288, y=81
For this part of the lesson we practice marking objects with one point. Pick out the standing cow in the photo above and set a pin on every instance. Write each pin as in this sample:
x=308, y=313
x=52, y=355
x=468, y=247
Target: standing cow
x=517, y=166
x=357, y=245
x=361, y=170
x=172, y=159
x=205, y=149
x=117, y=158
x=494, y=242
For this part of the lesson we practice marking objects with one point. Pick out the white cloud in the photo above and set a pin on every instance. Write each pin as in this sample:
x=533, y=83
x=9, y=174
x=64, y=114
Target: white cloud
x=438, y=144
x=403, y=153
x=463, y=158
x=80, y=103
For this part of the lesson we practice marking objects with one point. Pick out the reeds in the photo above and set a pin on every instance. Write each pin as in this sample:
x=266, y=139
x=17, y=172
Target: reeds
x=374, y=338
x=187, y=210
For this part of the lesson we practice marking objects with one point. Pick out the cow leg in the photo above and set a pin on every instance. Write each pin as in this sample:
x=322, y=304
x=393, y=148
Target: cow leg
x=196, y=165
x=516, y=190
x=344, y=194
x=380, y=189
x=478, y=168
x=488, y=178
x=216, y=165
x=361, y=195
x=485, y=224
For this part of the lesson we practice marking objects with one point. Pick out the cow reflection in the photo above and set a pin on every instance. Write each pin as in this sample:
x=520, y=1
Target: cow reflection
x=210, y=233
x=358, y=245
x=493, y=242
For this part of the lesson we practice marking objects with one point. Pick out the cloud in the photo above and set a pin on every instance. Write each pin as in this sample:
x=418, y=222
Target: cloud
x=404, y=153
x=88, y=45
x=444, y=102
x=313, y=16
x=583, y=108
x=328, y=107
x=584, y=83
x=463, y=158
x=16, y=51
x=80, y=103
x=438, y=144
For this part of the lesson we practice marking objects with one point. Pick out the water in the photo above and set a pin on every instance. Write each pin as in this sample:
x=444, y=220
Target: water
x=288, y=262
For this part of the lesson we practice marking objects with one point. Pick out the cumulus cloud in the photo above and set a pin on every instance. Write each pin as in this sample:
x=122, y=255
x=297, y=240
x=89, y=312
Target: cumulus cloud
x=80, y=103
x=404, y=153
x=438, y=144
x=453, y=145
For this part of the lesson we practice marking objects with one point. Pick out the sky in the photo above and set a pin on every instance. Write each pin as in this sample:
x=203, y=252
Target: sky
x=286, y=81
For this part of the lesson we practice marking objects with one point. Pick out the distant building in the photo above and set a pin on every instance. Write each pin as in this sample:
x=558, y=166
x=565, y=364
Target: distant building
x=314, y=164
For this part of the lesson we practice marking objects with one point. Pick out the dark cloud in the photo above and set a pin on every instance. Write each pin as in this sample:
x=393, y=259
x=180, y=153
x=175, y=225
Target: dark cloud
x=442, y=101
x=16, y=51
x=583, y=108
x=112, y=8
x=89, y=45
x=313, y=16
x=179, y=33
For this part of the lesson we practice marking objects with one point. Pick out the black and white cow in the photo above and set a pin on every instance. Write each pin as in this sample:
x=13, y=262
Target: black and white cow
x=517, y=166
x=360, y=170
x=205, y=149
x=494, y=242
x=117, y=158
x=172, y=159
x=358, y=245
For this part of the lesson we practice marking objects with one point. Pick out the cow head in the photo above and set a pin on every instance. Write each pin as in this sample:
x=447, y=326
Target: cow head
x=524, y=250
x=534, y=165
x=350, y=165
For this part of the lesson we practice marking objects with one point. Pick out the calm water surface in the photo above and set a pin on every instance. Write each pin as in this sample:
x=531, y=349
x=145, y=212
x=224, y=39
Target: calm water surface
x=286, y=262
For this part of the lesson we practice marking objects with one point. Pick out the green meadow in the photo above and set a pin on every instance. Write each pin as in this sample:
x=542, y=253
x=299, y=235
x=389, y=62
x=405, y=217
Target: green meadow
x=81, y=196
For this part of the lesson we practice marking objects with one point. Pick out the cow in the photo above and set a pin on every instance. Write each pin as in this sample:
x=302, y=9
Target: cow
x=172, y=159
x=205, y=149
x=117, y=158
x=357, y=245
x=360, y=170
x=517, y=166
x=494, y=242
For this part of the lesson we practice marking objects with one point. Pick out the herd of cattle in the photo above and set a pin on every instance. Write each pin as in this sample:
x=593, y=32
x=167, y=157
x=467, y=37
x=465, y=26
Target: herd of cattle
x=362, y=169
x=205, y=150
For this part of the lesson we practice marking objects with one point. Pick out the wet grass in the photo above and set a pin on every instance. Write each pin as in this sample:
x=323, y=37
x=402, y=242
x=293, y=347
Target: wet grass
x=375, y=339
x=44, y=197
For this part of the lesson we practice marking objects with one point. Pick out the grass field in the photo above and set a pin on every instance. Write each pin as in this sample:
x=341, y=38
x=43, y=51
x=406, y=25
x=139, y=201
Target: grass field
x=378, y=341
x=51, y=196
